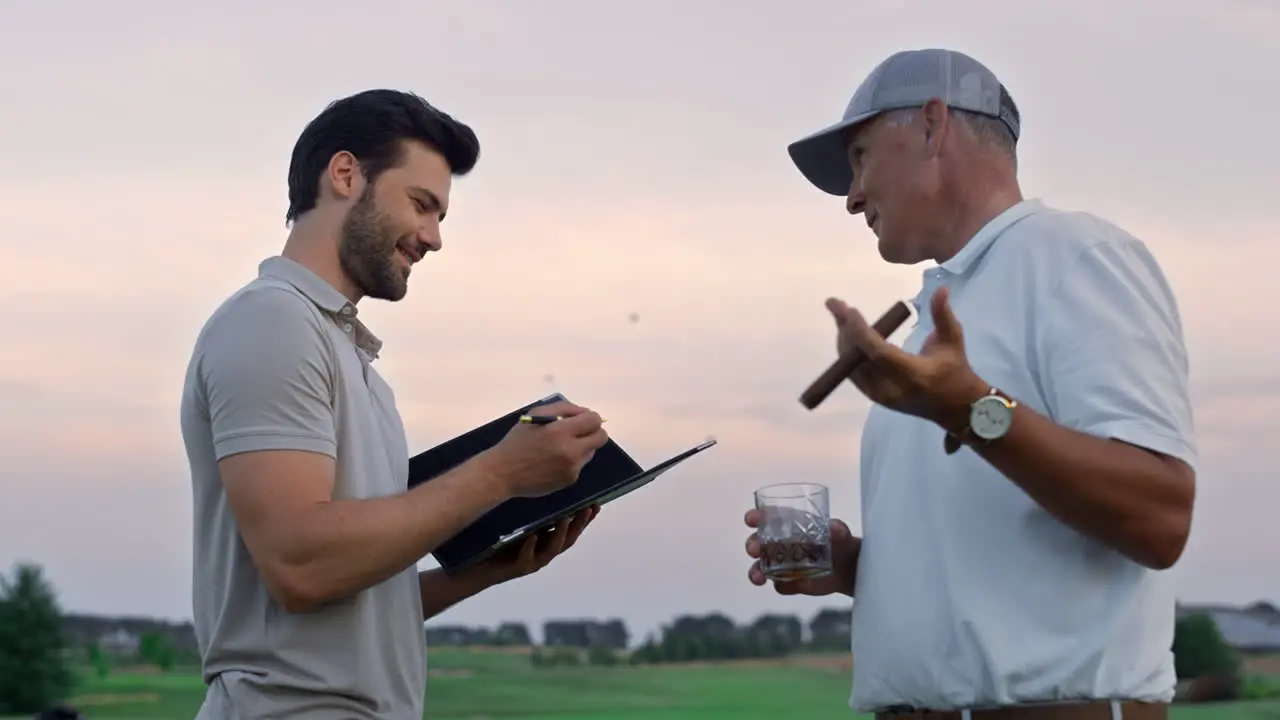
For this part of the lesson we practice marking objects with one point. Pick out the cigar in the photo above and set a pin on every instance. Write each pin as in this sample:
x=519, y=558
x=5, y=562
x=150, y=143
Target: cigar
x=828, y=381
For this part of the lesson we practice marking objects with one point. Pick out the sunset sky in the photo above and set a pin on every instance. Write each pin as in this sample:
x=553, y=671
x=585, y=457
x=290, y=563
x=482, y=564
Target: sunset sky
x=633, y=161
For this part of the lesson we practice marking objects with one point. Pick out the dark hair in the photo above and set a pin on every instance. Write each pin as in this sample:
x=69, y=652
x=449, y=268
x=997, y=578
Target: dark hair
x=372, y=126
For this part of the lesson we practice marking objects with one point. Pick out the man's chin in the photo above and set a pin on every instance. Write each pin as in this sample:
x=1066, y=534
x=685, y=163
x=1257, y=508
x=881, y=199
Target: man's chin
x=896, y=252
x=395, y=297
x=389, y=293
x=890, y=251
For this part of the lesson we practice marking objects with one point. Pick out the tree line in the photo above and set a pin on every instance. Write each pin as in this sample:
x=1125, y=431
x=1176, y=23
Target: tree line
x=44, y=654
x=713, y=636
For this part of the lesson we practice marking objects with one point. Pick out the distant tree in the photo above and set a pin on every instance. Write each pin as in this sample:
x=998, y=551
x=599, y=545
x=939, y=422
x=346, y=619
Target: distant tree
x=648, y=652
x=513, y=634
x=611, y=634
x=1199, y=650
x=34, y=673
x=586, y=634
x=774, y=636
x=829, y=630
x=567, y=633
x=99, y=661
x=155, y=647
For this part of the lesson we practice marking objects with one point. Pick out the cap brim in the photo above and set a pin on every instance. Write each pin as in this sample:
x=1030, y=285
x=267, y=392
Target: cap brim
x=823, y=158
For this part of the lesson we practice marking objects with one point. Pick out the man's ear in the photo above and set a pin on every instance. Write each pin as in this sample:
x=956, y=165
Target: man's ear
x=343, y=176
x=936, y=116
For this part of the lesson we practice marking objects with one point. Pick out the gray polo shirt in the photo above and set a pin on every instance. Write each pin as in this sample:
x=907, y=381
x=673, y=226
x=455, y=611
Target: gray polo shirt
x=284, y=364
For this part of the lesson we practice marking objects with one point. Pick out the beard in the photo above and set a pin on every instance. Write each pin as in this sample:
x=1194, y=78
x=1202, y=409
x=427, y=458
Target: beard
x=367, y=250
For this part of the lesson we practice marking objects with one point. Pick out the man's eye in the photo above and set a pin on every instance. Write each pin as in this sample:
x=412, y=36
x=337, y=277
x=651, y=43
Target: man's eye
x=420, y=206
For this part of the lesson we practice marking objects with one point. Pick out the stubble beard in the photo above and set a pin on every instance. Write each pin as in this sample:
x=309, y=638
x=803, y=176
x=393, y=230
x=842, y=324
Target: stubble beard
x=367, y=249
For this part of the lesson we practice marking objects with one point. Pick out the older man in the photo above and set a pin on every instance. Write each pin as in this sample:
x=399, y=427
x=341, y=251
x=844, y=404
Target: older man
x=308, y=601
x=1028, y=464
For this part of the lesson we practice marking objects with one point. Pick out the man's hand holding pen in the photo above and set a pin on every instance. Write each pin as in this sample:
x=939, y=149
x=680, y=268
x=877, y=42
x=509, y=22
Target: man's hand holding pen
x=538, y=458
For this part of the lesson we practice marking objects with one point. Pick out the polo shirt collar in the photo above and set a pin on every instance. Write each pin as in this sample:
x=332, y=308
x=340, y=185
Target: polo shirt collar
x=972, y=252
x=325, y=296
x=965, y=260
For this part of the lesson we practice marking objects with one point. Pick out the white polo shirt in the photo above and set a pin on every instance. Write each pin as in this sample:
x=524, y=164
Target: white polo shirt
x=969, y=594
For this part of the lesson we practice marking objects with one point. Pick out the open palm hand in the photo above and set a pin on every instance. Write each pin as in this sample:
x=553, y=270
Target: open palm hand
x=937, y=384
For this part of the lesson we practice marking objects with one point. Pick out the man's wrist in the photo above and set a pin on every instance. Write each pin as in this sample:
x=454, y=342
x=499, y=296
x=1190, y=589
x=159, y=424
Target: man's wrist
x=481, y=578
x=957, y=406
x=494, y=477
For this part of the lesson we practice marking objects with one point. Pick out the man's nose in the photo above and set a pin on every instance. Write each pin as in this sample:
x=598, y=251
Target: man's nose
x=856, y=200
x=430, y=236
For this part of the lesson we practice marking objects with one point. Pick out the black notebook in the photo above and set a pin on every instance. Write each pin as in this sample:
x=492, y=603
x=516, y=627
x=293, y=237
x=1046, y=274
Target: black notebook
x=610, y=474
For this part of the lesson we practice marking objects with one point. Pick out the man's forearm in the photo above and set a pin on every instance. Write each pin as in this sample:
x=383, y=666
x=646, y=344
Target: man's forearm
x=345, y=546
x=441, y=592
x=1131, y=499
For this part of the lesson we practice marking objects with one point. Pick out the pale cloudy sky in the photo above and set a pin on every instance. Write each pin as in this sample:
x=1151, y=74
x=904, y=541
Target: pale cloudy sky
x=633, y=161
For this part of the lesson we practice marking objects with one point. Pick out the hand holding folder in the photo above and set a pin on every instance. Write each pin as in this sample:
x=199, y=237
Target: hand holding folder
x=607, y=475
x=536, y=551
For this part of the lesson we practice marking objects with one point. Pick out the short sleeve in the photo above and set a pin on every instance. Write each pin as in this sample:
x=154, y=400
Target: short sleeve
x=267, y=373
x=1111, y=355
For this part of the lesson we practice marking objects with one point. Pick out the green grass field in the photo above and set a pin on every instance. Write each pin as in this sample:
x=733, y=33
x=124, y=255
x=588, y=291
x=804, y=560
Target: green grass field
x=476, y=685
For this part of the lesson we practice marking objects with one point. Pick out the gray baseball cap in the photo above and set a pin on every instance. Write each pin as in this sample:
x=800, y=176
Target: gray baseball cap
x=906, y=79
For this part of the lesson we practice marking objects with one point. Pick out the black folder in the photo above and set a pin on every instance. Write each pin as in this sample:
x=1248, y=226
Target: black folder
x=610, y=474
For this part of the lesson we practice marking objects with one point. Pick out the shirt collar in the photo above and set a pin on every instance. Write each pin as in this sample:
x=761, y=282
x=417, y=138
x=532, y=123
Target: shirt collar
x=972, y=252
x=965, y=260
x=325, y=296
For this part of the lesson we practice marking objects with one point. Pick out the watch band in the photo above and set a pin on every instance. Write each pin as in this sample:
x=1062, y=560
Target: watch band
x=952, y=442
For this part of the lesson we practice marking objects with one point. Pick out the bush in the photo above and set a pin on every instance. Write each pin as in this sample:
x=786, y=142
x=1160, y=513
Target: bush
x=598, y=655
x=557, y=656
x=155, y=648
x=1200, y=651
x=647, y=653
x=99, y=661
x=1203, y=657
x=1260, y=687
x=567, y=656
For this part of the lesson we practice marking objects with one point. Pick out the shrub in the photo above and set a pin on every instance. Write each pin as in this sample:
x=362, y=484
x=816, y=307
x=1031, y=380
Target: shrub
x=99, y=661
x=1203, y=657
x=155, y=648
x=557, y=656
x=1199, y=650
x=598, y=655
x=1259, y=687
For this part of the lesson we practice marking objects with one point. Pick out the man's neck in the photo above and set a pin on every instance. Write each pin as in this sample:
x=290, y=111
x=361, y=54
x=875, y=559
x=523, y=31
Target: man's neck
x=979, y=204
x=316, y=249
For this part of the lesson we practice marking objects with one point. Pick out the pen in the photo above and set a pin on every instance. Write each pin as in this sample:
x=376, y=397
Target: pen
x=542, y=419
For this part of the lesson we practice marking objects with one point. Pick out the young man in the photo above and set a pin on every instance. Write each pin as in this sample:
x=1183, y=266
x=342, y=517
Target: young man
x=1025, y=478
x=307, y=598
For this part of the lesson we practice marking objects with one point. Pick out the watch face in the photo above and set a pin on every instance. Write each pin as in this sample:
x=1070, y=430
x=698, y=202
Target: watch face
x=990, y=418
